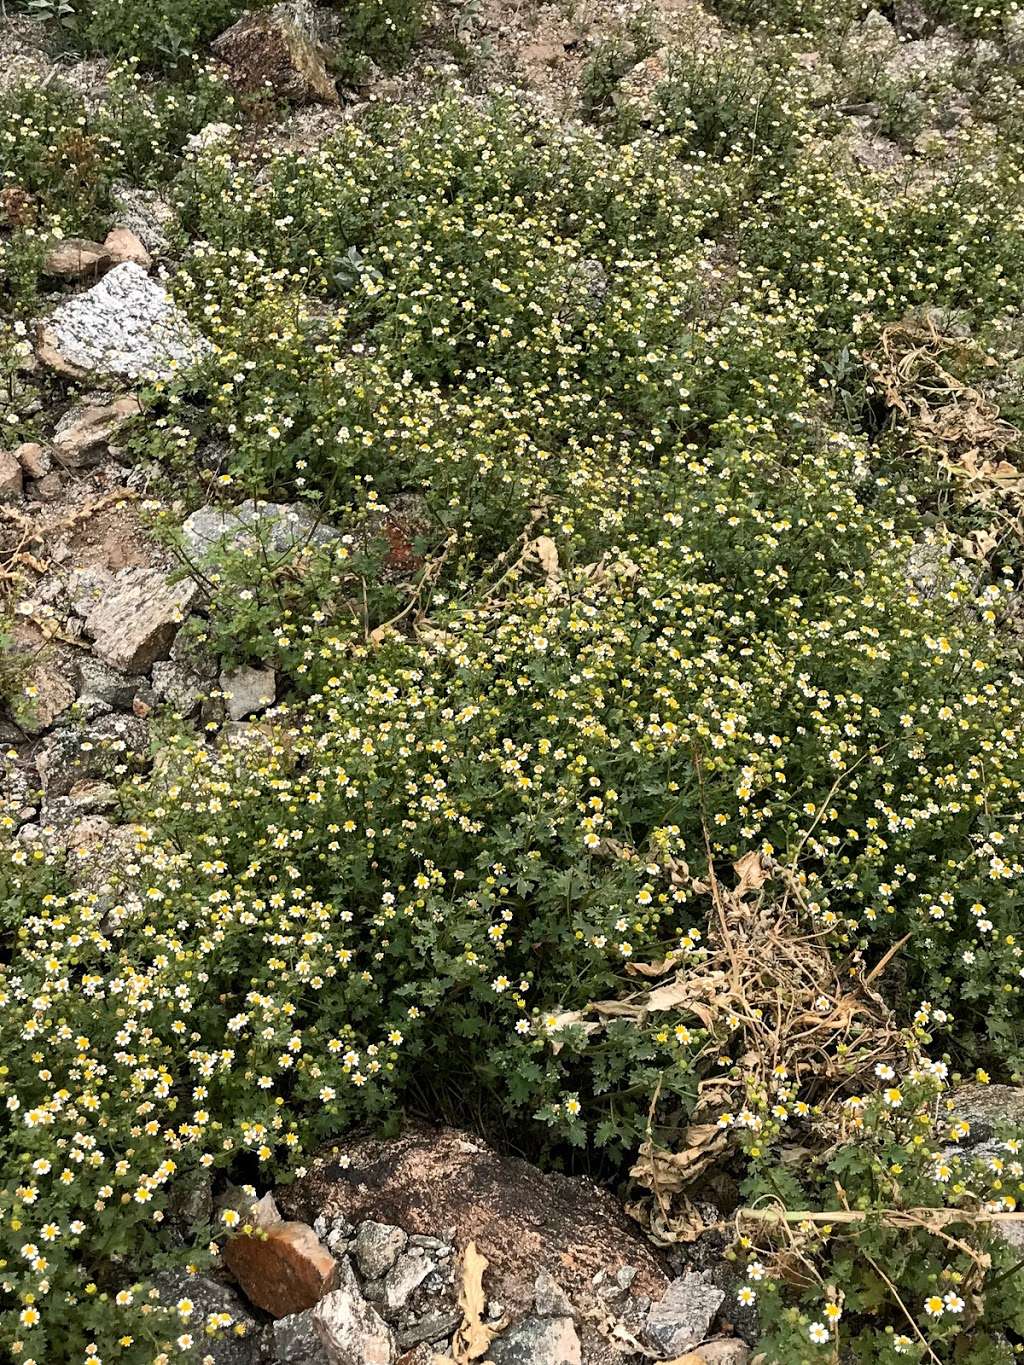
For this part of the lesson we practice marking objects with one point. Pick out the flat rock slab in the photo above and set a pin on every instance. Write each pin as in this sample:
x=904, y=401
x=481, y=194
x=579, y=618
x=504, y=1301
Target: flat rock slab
x=126, y=326
x=284, y=1271
x=521, y=1219
x=135, y=618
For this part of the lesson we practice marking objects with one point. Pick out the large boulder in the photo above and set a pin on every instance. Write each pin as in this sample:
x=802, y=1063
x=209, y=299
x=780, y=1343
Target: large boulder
x=277, y=48
x=127, y=326
x=434, y=1183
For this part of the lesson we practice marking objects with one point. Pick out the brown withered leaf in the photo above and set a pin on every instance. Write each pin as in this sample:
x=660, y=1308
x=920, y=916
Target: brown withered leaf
x=473, y=1338
x=751, y=872
x=547, y=553
x=650, y=968
x=667, y=1172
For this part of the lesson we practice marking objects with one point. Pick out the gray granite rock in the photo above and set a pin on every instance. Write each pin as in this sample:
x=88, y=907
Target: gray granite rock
x=277, y=526
x=549, y=1298
x=684, y=1316
x=377, y=1247
x=242, y=1342
x=407, y=1274
x=126, y=326
x=146, y=214
x=353, y=1332
x=538, y=1341
x=248, y=690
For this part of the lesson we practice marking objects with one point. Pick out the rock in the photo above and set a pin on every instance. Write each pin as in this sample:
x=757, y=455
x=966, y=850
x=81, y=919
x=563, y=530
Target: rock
x=523, y=1221
x=407, y=1274
x=124, y=245
x=353, y=1332
x=126, y=326
x=136, y=618
x=264, y=1213
x=297, y=1342
x=86, y=431
x=98, y=682
x=268, y=48
x=248, y=690
x=683, y=1316
x=284, y=1270
x=342, y=1329
x=146, y=214
x=538, y=1341
x=636, y=90
x=986, y=1108
x=549, y=1298
x=76, y=258
x=208, y=137
x=93, y=797
x=48, y=694
x=48, y=488
x=377, y=1247
x=278, y=526
x=723, y=1351
x=34, y=460
x=11, y=477
x=69, y=755
x=239, y=1341
x=180, y=686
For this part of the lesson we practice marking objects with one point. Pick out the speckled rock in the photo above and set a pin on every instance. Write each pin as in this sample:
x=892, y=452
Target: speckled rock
x=432, y=1179
x=277, y=526
x=538, y=1341
x=136, y=617
x=242, y=1341
x=683, y=1317
x=247, y=690
x=126, y=326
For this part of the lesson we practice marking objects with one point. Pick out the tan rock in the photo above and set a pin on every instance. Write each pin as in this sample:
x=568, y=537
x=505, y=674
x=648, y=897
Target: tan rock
x=11, y=477
x=87, y=431
x=34, y=460
x=283, y=1270
x=47, y=695
x=48, y=488
x=724, y=1351
x=76, y=258
x=136, y=617
x=123, y=245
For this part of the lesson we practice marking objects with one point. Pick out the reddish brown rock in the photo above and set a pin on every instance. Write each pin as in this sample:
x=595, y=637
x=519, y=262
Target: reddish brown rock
x=285, y=1270
x=522, y=1220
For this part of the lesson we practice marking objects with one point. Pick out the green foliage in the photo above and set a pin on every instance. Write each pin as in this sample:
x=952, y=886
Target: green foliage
x=66, y=153
x=621, y=592
x=160, y=34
